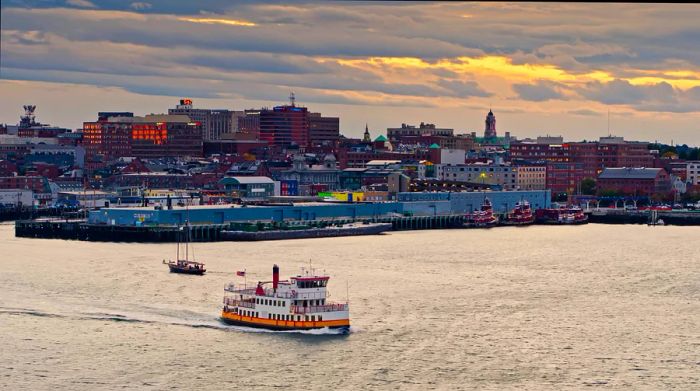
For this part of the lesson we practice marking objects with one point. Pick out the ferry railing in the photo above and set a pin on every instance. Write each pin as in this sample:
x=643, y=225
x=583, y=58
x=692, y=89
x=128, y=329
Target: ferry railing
x=319, y=308
x=270, y=293
x=238, y=303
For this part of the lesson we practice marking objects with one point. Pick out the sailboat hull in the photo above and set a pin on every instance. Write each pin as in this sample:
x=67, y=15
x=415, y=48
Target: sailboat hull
x=186, y=270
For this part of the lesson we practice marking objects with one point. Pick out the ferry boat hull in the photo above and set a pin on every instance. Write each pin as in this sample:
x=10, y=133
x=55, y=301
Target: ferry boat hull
x=342, y=325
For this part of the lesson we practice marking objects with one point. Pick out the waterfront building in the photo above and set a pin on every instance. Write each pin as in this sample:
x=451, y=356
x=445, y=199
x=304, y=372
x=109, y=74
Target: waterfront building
x=164, y=180
x=531, y=176
x=569, y=163
x=215, y=123
x=416, y=204
x=503, y=175
x=38, y=185
x=635, y=181
x=249, y=186
x=310, y=178
x=16, y=197
x=564, y=178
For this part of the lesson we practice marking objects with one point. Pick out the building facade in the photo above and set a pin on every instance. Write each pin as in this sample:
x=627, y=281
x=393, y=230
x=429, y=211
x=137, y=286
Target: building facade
x=410, y=132
x=531, y=177
x=249, y=186
x=505, y=176
x=215, y=123
x=323, y=130
x=635, y=181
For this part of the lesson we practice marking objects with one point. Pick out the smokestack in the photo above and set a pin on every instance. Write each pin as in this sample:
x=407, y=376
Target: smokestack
x=275, y=277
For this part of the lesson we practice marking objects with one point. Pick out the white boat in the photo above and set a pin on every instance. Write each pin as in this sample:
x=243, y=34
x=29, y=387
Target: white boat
x=299, y=303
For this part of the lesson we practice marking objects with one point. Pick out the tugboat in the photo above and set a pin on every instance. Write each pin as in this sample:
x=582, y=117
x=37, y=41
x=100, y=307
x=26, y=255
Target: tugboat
x=185, y=266
x=520, y=215
x=483, y=218
x=299, y=303
x=563, y=215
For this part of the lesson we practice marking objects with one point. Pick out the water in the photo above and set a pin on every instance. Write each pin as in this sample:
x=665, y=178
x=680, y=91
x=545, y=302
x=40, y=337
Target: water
x=508, y=308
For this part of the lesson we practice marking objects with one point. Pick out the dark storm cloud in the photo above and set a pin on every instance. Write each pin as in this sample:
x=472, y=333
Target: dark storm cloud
x=169, y=32
x=661, y=97
x=291, y=43
x=538, y=92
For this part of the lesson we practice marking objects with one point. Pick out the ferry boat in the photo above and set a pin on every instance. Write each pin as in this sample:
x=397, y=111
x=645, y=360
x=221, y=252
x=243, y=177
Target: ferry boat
x=299, y=303
x=185, y=266
x=520, y=215
x=483, y=218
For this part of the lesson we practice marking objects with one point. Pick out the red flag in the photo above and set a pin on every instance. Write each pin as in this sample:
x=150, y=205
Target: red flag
x=240, y=273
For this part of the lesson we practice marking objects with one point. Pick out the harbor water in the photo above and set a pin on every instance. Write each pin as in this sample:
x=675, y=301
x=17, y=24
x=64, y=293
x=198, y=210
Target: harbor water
x=540, y=307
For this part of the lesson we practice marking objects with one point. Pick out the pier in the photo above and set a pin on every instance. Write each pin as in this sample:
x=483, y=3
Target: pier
x=82, y=230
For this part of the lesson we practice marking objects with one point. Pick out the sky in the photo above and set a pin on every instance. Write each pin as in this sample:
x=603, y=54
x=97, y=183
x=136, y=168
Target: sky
x=579, y=70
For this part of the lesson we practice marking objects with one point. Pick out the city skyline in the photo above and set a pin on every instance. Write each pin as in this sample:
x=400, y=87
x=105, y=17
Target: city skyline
x=382, y=64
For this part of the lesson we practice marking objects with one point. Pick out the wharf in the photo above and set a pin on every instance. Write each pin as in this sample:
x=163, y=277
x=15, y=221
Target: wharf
x=621, y=216
x=82, y=230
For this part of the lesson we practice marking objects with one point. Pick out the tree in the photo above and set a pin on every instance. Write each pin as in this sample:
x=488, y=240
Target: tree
x=588, y=186
x=609, y=193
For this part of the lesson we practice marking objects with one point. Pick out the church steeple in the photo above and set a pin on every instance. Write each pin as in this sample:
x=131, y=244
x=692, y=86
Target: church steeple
x=490, y=130
x=366, y=138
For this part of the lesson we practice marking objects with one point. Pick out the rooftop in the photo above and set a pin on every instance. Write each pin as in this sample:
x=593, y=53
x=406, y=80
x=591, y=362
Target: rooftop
x=629, y=173
x=246, y=180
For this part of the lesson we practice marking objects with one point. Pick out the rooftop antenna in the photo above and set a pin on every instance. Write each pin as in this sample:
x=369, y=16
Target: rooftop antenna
x=609, y=135
x=291, y=98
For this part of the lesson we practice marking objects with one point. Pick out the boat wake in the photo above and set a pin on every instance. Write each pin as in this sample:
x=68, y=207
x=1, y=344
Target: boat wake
x=191, y=319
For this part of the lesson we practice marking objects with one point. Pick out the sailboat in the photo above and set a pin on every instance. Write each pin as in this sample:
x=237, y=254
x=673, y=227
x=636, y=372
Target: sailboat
x=185, y=266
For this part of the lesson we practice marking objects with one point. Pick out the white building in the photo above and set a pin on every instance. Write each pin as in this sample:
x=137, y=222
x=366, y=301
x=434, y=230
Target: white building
x=531, y=177
x=503, y=175
x=14, y=197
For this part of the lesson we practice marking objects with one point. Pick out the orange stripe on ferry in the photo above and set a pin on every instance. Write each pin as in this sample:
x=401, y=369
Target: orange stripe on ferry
x=285, y=323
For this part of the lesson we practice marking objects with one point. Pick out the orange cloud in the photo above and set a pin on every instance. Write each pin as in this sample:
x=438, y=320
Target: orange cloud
x=230, y=22
x=503, y=67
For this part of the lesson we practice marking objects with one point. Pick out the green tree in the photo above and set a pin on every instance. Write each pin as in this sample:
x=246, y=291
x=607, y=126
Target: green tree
x=588, y=186
x=609, y=193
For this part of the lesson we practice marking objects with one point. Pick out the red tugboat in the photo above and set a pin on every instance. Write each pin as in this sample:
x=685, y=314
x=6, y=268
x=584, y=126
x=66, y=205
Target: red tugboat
x=483, y=218
x=563, y=215
x=520, y=215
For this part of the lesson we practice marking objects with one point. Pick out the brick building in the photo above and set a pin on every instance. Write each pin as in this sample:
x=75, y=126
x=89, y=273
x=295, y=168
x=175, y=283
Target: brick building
x=635, y=181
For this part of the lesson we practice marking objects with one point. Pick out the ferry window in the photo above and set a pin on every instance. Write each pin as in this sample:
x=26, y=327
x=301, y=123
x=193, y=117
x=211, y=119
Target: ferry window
x=320, y=318
x=284, y=304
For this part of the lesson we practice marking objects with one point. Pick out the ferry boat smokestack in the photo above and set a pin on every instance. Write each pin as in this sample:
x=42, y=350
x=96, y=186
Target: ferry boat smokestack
x=275, y=277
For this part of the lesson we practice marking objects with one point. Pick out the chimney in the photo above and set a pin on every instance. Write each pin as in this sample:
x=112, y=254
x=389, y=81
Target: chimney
x=275, y=277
